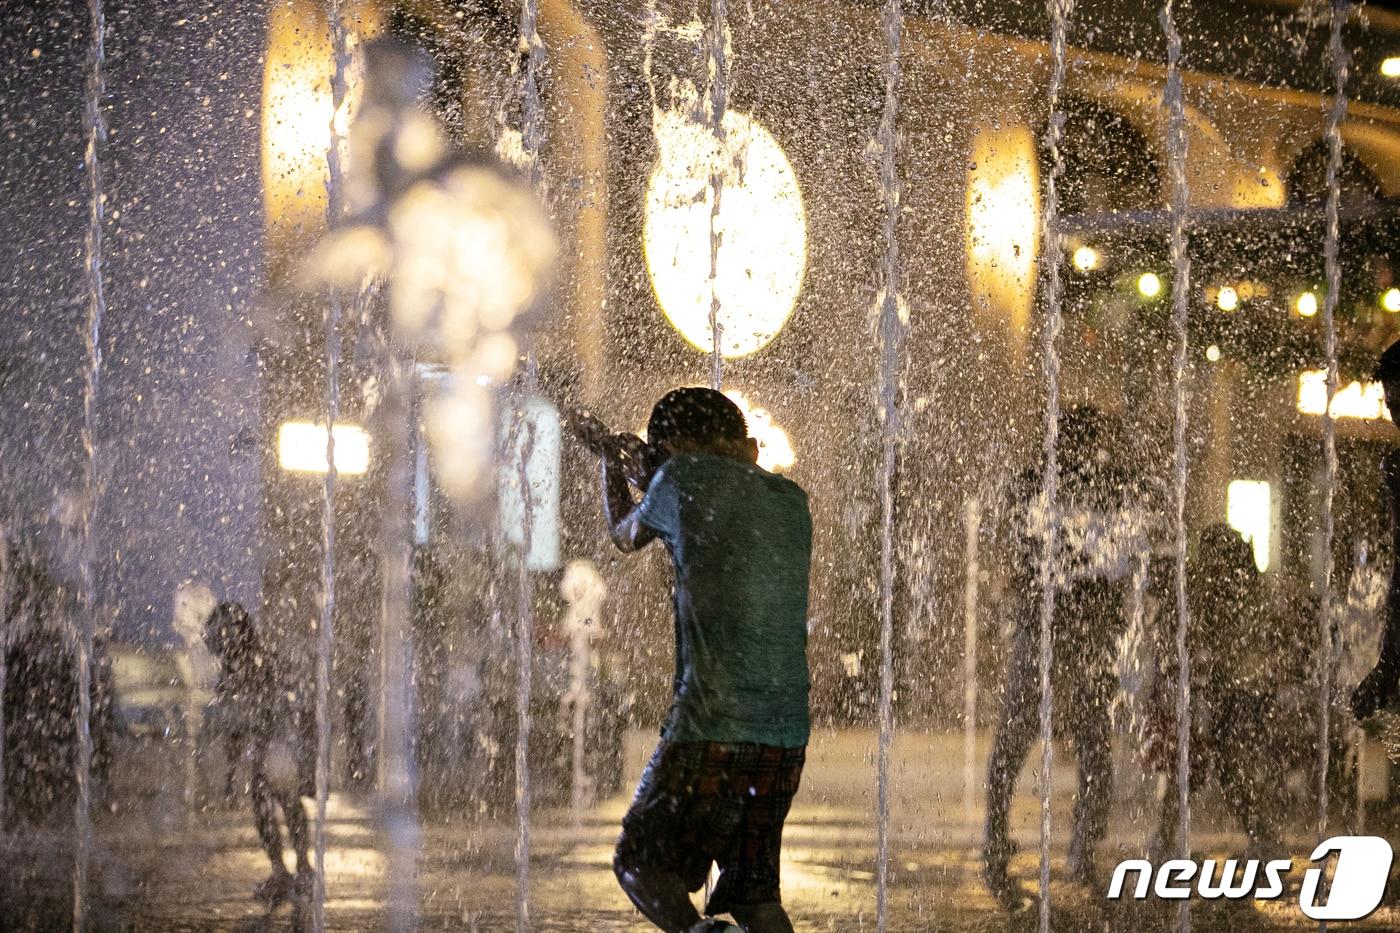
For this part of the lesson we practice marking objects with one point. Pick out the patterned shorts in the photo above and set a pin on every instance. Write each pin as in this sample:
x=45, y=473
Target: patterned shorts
x=704, y=802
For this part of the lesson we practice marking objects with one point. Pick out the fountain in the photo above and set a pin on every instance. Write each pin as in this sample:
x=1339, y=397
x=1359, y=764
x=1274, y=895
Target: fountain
x=718, y=100
x=325, y=633
x=96, y=126
x=1181, y=284
x=1339, y=56
x=1143, y=256
x=891, y=333
x=1050, y=474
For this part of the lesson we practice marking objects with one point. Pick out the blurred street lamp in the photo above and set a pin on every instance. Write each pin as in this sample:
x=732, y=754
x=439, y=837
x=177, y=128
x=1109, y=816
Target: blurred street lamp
x=1086, y=259
x=1227, y=299
x=1390, y=300
x=1213, y=353
x=462, y=242
x=1390, y=67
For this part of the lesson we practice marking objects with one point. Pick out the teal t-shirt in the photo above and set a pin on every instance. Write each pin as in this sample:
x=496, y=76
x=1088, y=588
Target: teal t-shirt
x=741, y=542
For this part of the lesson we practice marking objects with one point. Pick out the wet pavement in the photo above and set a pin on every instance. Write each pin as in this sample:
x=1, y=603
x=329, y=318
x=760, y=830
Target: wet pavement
x=159, y=867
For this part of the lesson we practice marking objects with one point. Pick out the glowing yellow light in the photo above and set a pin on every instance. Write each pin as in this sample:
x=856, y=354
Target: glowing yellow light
x=1213, y=353
x=296, y=113
x=1306, y=304
x=1086, y=259
x=1390, y=300
x=1003, y=223
x=774, y=449
x=1149, y=285
x=1390, y=67
x=1249, y=510
x=1365, y=401
x=762, y=227
x=301, y=448
x=1227, y=299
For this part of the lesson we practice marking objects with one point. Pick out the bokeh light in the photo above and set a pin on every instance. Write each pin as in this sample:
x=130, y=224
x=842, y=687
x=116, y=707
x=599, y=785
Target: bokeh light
x=1306, y=304
x=1149, y=285
x=1086, y=259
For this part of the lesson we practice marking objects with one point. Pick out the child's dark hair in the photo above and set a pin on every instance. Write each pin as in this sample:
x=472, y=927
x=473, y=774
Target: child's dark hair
x=697, y=414
x=1388, y=366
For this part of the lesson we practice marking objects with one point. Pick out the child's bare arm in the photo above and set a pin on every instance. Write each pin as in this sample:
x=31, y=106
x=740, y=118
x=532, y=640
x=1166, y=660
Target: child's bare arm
x=626, y=459
x=619, y=510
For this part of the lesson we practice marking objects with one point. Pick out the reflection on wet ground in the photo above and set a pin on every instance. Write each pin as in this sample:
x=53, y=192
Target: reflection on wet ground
x=158, y=868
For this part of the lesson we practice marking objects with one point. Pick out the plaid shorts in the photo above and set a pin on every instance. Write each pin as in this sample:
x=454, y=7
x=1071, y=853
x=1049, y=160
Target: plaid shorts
x=704, y=802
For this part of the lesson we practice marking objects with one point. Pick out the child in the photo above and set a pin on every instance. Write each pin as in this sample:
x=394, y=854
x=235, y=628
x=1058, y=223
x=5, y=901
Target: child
x=1381, y=687
x=723, y=776
x=1099, y=531
x=1233, y=671
x=269, y=719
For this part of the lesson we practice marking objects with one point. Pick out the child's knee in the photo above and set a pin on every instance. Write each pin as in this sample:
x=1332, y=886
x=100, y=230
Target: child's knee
x=622, y=866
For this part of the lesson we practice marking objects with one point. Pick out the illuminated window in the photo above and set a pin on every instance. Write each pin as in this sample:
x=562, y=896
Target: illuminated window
x=1365, y=401
x=1003, y=223
x=1249, y=510
x=301, y=448
x=762, y=229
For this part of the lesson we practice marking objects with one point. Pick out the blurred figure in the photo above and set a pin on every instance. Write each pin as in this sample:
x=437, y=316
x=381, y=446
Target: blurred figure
x=1381, y=687
x=1098, y=536
x=719, y=786
x=199, y=672
x=40, y=694
x=1234, y=713
x=270, y=721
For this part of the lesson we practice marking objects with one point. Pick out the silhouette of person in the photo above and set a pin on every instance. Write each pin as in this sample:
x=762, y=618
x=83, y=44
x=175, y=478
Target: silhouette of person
x=1233, y=708
x=269, y=718
x=719, y=786
x=1098, y=535
x=1381, y=687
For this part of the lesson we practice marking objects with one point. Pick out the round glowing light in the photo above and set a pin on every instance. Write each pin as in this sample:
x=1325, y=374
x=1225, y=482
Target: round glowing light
x=775, y=452
x=1390, y=300
x=1306, y=304
x=762, y=228
x=1149, y=285
x=1390, y=67
x=1213, y=353
x=1086, y=259
x=1227, y=299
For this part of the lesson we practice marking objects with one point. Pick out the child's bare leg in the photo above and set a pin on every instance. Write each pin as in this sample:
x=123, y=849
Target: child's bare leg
x=763, y=918
x=265, y=817
x=233, y=750
x=297, y=830
x=660, y=895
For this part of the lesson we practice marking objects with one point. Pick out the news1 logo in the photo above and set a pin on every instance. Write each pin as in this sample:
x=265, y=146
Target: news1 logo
x=1354, y=892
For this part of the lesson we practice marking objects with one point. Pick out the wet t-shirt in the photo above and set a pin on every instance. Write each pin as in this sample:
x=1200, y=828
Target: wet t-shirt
x=740, y=539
